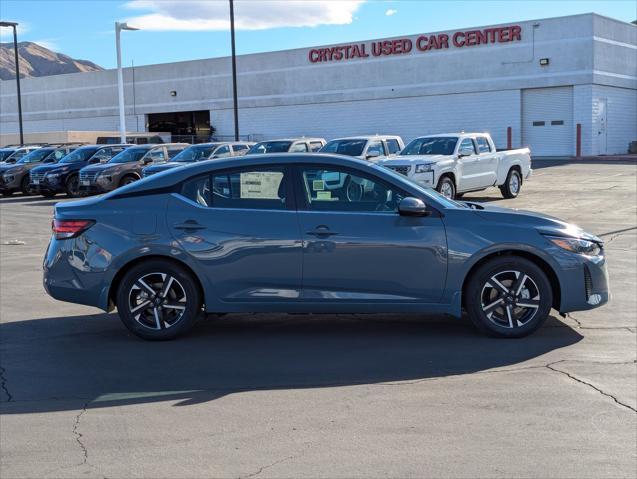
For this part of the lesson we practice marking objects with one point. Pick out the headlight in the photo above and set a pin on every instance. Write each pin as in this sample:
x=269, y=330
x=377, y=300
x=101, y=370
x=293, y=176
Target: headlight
x=102, y=178
x=8, y=177
x=576, y=245
x=424, y=168
x=53, y=176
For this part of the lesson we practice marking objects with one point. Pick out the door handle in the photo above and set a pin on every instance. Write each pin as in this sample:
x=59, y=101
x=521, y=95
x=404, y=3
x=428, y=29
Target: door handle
x=321, y=231
x=191, y=225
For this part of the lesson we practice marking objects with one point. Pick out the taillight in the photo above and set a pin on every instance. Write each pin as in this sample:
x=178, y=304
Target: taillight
x=65, y=229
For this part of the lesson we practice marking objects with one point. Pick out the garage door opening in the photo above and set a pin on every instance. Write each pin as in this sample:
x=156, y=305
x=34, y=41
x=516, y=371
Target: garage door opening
x=184, y=126
x=547, y=121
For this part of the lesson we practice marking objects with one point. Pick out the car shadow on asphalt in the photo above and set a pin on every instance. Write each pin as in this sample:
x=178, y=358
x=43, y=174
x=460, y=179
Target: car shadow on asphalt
x=92, y=361
x=24, y=199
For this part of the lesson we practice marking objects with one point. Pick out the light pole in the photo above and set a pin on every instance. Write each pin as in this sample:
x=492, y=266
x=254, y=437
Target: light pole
x=120, y=78
x=234, y=74
x=17, y=74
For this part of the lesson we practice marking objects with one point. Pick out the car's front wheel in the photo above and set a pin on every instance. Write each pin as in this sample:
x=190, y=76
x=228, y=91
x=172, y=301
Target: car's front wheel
x=508, y=297
x=446, y=187
x=73, y=187
x=158, y=300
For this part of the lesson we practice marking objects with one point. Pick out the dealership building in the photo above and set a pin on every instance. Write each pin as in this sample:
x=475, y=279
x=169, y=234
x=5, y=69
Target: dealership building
x=563, y=86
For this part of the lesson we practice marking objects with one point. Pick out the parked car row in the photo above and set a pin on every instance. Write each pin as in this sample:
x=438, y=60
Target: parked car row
x=453, y=164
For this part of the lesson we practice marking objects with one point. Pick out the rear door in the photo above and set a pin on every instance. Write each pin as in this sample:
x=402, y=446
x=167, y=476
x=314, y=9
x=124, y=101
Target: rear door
x=358, y=249
x=241, y=226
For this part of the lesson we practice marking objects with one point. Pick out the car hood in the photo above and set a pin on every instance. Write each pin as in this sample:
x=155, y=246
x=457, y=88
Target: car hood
x=414, y=159
x=103, y=167
x=166, y=166
x=53, y=167
x=543, y=223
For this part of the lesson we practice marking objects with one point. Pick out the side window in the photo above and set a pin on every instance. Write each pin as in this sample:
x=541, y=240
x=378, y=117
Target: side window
x=392, y=146
x=222, y=151
x=467, y=143
x=157, y=155
x=197, y=190
x=483, y=144
x=240, y=149
x=334, y=189
x=103, y=155
x=115, y=151
x=174, y=151
x=251, y=189
x=300, y=147
x=376, y=146
x=315, y=145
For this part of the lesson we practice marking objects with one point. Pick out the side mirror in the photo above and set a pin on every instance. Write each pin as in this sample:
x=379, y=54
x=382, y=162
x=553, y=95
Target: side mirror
x=465, y=152
x=11, y=160
x=93, y=161
x=411, y=206
x=146, y=160
x=373, y=154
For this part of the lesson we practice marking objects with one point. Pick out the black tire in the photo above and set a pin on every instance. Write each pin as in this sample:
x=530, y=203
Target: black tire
x=7, y=193
x=487, y=303
x=513, y=184
x=459, y=196
x=446, y=187
x=24, y=186
x=127, y=180
x=163, y=321
x=73, y=186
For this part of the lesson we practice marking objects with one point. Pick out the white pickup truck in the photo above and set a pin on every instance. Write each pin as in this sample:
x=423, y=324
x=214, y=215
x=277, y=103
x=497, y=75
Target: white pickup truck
x=457, y=163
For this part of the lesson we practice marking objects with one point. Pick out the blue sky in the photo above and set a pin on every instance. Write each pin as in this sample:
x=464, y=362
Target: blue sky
x=175, y=30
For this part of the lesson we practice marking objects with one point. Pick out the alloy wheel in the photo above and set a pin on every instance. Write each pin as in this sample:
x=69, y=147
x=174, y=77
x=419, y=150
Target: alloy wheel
x=157, y=301
x=510, y=299
x=446, y=189
x=514, y=184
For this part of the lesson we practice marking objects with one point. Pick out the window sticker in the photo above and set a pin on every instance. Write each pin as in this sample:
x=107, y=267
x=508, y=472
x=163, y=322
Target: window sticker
x=261, y=185
x=318, y=185
x=323, y=195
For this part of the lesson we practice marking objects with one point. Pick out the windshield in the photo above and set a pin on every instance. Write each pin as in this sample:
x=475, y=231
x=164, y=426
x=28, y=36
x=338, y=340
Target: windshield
x=431, y=145
x=345, y=147
x=129, y=155
x=17, y=154
x=430, y=192
x=35, y=155
x=194, y=153
x=56, y=155
x=5, y=154
x=270, y=147
x=81, y=154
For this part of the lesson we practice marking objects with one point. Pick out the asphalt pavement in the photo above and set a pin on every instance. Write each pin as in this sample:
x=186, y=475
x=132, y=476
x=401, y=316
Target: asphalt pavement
x=364, y=396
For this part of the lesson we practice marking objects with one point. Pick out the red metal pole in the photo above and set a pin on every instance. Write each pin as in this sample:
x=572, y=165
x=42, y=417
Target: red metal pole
x=509, y=137
x=578, y=141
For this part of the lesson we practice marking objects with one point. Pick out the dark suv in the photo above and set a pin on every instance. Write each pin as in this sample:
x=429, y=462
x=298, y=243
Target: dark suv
x=15, y=176
x=126, y=167
x=63, y=176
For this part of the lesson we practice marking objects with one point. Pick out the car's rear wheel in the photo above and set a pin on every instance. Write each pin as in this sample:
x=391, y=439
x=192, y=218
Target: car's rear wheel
x=508, y=297
x=512, y=185
x=73, y=186
x=446, y=187
x=158, y=300
x=7, y=193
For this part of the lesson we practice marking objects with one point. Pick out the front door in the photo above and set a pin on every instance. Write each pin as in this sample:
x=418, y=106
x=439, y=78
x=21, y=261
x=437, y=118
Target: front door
x=242, y=229
x=358, y=249
x=470, y=173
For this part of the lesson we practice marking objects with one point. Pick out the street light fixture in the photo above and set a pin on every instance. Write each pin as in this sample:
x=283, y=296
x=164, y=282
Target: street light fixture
x=17, y=74
x=119, y=26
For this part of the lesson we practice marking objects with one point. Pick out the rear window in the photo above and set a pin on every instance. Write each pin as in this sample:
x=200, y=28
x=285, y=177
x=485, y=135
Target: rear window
x=483, y=144
x=392, y=146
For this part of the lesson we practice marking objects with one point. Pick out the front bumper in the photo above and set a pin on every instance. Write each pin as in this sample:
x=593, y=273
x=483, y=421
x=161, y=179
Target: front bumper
x=586, y=285
x=11, y=185
x=94, y=189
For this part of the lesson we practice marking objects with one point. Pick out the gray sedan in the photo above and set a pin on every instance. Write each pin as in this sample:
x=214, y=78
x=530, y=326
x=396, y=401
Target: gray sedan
x=320, y=233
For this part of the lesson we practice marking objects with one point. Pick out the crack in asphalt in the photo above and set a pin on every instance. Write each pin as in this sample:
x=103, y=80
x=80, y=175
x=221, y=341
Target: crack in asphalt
x=3, y=384
x=552, y=367
x=581, y=326
x=263, y=468
x=79, y=435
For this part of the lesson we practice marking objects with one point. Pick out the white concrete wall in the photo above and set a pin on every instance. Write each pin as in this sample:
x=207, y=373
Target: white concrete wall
x=410, y=117
x=621, y=117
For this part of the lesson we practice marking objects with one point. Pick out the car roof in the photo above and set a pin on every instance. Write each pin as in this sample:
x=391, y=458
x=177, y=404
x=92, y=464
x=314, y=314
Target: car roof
x=302, y=138
x=368, y=137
